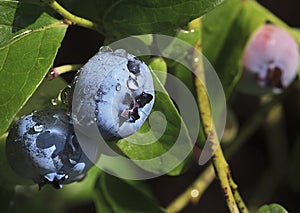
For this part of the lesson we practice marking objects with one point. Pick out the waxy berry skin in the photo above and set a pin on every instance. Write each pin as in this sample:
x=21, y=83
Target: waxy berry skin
x=114, y=89
x=272, y=55
x=42, y=146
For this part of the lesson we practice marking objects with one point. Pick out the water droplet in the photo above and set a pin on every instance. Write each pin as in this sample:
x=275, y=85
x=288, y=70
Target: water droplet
x=91, y=122
x=132, y=84
x=73, y=162
x=54, y=101
x=56, y=116
x=118, y=87
x=76, y=77
x=86, y=90
x=105, y=49
x=98, y=96
x=38, y=128
x=196, y=60
x=194, y=193
x=121, y=53
x=64, y=95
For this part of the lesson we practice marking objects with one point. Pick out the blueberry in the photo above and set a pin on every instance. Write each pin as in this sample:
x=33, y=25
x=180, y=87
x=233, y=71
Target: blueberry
x=272, y=56
x=114, y=89
x=42, y=146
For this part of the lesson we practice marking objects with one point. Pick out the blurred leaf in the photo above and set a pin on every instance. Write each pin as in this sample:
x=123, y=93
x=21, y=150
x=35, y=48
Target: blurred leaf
x=101, y=203
x=159, y=140
x=159, y=66
x=56, y=200
x=295, y=166
x=30, y=39
x=42, y=97
x=6, y=197
x=132, y=17
x=226, y=31
x=123, y=197
x=192, y=37
x=80, y=191
x=272, y=208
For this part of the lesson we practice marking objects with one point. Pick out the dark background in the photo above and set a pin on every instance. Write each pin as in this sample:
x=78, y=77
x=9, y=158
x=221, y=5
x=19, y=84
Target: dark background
x=247, y=165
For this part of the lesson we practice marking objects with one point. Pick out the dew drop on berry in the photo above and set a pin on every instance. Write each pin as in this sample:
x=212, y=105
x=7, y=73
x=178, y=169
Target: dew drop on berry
x=38, y=128
x=118, y=87
x=54, y=101
x=132, y=84
x=65, y=95
x=105, y=49
x=121, y=53
x=98, y=96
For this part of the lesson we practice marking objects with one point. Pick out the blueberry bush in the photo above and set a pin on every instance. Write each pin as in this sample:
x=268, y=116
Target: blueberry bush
x=255, y=55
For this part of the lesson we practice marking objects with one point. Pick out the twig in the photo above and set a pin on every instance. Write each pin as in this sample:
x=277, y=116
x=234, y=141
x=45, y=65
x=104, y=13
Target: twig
x=207, y=177
x=56, y=71
x=70, y=17
x=220, y=165
x=193, y=192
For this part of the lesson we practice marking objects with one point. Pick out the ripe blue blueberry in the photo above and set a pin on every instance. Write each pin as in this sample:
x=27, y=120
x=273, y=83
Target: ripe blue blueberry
x=42, y=146
x=114, y=89
x=272, y=55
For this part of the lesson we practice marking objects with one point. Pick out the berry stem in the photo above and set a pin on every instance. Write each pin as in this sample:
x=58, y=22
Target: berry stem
x=199, y=186
x=207, y=176
x=220, y=164
x=222, y=169
x=56, y=71
x=71, y=17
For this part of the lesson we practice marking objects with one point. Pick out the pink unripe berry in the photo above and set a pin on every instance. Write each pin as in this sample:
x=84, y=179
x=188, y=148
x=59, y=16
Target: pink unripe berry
x=272, y=54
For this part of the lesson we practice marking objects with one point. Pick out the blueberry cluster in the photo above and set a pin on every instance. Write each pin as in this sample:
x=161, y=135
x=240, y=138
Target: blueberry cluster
x=113, y=90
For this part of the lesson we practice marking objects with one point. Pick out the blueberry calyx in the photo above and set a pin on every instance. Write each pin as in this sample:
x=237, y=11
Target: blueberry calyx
x=133, y=65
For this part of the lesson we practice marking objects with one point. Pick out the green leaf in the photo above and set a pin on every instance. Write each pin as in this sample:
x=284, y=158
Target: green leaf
x=125, y=197
x=272, y=208
x=102, y=205
x=132, y=17
x=226, y=31
x=29, y=39
x=150, y=154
